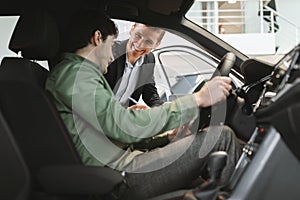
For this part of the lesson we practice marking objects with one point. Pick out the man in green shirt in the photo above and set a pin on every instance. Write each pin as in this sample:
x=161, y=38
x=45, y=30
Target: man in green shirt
x=102, y=129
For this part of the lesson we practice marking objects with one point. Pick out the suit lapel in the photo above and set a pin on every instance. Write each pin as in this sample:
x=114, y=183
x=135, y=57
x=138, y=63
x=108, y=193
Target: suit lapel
x=119, y=52
x=146, y=72
x=120, y=55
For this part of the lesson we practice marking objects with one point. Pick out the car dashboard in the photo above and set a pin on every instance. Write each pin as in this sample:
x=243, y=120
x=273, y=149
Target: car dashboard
x=269, y=165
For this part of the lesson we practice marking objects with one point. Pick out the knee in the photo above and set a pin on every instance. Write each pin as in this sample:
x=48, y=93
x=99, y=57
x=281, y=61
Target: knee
x=227, y=132
x=219, y=133
x=227, y=137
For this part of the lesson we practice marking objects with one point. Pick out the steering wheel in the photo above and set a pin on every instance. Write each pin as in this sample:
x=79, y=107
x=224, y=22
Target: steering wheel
x=225, y=65
x=223, y=69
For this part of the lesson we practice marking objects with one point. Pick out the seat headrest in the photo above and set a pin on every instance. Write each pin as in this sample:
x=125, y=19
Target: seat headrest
x=36, y=36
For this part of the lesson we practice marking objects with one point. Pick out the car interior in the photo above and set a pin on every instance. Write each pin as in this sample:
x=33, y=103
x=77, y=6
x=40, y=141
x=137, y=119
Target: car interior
x=39, y=158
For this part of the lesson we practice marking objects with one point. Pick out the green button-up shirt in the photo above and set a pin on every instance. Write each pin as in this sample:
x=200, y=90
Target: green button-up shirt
x=100, y=127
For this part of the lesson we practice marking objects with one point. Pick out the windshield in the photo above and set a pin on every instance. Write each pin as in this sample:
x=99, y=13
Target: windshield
x=257, y=28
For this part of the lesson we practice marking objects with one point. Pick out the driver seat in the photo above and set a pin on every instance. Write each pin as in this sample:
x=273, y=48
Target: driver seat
x=54, y=164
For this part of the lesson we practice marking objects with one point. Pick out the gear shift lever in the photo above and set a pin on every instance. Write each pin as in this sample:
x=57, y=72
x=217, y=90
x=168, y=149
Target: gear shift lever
x=209, y=190
x=216, y=164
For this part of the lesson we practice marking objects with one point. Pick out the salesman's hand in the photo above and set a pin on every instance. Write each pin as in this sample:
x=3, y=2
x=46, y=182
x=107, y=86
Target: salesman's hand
x=213, y=91
x=180, y=132
x=138, y=107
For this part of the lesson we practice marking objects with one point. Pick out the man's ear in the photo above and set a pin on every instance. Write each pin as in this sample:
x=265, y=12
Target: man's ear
x=132, y=28
x=97, y=38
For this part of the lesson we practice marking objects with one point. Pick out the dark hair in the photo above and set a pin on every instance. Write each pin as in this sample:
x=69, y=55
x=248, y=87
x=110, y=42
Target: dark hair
x=83, y=25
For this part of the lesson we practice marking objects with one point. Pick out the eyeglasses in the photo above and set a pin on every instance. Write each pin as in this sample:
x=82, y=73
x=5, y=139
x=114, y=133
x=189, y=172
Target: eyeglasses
x=145, y=42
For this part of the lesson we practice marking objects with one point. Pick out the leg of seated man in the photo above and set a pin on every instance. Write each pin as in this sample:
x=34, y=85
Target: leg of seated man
x=176, y=165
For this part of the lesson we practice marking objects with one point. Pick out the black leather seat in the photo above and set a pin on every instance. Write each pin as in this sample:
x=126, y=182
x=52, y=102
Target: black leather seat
x=15, y=178
x=48, y=150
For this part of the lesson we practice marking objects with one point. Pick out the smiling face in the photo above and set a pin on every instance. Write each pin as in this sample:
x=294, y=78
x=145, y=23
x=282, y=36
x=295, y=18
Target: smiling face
x=142, y=40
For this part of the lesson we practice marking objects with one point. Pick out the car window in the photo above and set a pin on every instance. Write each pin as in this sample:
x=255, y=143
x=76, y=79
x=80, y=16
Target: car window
x=184, y=68
x=180, y=64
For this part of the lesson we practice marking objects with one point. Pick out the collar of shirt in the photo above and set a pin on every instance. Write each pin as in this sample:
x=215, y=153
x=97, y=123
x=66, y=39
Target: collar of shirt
x=138, y=63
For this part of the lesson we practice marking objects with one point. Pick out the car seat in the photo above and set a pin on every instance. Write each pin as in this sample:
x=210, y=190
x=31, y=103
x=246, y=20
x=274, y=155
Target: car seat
x=15, y=178
x=53, y=162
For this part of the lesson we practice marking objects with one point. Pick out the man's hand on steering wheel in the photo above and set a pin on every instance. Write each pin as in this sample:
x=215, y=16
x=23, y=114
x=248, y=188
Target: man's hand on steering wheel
x=218, y=88
x=213, y=91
